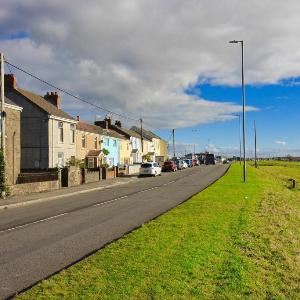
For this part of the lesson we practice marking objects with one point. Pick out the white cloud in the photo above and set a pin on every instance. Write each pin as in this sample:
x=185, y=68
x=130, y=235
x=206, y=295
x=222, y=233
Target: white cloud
x=136, y=57
x=282, y=143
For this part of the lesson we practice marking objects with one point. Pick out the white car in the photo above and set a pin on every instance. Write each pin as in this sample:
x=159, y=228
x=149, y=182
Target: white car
x=181, y=164
x=150, y=169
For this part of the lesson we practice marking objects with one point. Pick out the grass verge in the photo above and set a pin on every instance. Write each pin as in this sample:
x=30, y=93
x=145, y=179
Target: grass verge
x=232, y=241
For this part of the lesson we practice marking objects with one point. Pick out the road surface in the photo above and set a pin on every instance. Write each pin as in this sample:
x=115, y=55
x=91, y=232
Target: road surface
x=43, y=238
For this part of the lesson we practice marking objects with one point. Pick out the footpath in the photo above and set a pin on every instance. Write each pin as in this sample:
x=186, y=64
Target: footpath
x=16, y=201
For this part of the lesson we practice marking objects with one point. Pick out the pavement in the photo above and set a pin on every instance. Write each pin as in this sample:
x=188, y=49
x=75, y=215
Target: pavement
x=45, y=237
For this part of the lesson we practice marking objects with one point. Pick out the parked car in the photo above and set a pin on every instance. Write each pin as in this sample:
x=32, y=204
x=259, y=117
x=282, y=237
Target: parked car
x=189, y=162
x=169, y=166
x=150, y=169
x=210, y=159
x=181, y=164
x=195, y=162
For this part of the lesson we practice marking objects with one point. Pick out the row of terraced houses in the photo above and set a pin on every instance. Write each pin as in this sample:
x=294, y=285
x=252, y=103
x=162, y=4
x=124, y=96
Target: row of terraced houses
x=40, y=135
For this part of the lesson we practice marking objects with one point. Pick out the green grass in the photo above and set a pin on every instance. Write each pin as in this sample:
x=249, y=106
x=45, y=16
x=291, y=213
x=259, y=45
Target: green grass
x=232, y=241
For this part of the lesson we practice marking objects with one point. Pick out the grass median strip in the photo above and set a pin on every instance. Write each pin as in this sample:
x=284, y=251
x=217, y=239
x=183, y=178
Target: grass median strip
x=231, y=241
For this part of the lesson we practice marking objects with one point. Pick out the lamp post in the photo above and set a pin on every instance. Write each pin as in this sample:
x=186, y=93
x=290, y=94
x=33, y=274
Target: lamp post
x=243, y=100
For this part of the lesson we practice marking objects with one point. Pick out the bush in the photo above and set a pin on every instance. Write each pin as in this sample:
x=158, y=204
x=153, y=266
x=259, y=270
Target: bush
x=3, y=187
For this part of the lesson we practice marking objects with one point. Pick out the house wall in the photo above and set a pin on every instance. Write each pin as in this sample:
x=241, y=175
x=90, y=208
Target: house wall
x=125, y=152
x=90, y=143
x=13, y=144
x=34, y=135
x=67, y=148
x=163, y=149
x=156, y=145
x=136, y=145
x=113, y=146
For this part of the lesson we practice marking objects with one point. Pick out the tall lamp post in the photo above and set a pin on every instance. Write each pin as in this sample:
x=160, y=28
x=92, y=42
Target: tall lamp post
x=244, y=100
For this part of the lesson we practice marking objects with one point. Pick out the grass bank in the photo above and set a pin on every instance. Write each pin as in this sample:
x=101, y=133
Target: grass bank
x=232, y=241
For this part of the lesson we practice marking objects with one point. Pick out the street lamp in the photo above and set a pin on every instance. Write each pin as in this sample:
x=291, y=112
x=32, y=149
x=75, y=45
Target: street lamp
x=240, y=136
x=244, y=100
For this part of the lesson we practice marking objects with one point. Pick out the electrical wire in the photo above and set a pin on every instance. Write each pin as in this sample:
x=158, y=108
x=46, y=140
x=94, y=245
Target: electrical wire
x=69, y=93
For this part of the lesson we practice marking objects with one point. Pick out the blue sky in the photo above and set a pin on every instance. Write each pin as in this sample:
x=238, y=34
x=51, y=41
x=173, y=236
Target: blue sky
x=277, y=118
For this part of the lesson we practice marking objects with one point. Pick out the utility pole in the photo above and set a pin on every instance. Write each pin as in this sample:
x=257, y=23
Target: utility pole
x=255, y=156
x=2, y=103
x=174, y=152
x=142, y=137
x=240, y=140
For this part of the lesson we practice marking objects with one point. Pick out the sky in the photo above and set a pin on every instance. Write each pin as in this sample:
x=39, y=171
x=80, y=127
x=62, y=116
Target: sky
x=168, y=62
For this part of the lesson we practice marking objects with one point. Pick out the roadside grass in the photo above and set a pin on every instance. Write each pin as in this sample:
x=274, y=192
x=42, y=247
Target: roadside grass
x=231, y=241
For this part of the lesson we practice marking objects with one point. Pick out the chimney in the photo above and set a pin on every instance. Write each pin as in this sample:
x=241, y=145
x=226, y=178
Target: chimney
x=54, y=99
x=102, y=124
x=78, y=118
x=118, y=123
x=108, y=121
x=10, y=81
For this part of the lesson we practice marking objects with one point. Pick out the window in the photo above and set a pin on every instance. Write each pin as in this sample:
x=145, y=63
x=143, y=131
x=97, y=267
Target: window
x=60, y=159
x=115, y=143
x=61, y=131
x=83, y=140
x=96, y=142
x=72, y=128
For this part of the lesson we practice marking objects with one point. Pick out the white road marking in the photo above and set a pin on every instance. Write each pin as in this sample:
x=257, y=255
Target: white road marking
x=35, y=222
x=95, y=205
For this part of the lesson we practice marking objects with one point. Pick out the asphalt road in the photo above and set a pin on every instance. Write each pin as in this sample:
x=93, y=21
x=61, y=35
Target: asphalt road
x=41, y=239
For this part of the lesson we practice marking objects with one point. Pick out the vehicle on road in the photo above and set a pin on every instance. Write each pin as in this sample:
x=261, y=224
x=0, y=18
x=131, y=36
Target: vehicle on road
x=210, y=159
x=195, y=162
x=169, y=166
x=189, y=162
x=181, y=164
x=150, y=169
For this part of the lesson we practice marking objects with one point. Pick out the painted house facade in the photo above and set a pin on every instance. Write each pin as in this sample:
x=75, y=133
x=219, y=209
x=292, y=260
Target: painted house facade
x=130, y=145
x=48, y=134
x=88, y=144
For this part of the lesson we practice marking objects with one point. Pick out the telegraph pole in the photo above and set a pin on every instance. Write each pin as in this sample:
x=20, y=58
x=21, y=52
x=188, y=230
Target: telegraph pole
x=174, y=152
x=2, y=103
x=255, y=156
x=142, y=137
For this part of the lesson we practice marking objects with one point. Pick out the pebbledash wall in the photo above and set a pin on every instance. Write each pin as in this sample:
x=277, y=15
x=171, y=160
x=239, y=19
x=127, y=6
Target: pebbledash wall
x=13, y=144
x=59, y=152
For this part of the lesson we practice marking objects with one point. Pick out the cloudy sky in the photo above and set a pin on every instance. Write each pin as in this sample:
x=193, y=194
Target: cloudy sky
x=168, y=62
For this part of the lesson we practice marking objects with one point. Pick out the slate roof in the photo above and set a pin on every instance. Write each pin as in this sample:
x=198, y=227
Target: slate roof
x=10, y=102
x=42, y=104
x=126, y=131
x=146, y=133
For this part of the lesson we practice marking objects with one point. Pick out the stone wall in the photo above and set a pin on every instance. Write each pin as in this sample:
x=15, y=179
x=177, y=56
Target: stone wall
x=33, y=187
x=71, y=176
x=134, y=169
x=91, y=175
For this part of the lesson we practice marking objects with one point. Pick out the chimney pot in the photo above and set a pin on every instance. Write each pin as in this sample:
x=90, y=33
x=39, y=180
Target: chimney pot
x=78, y=118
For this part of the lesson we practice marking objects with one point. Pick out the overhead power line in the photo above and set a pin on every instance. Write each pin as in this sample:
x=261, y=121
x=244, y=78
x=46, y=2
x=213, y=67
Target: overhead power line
x=69, y=93
x=77, y=97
